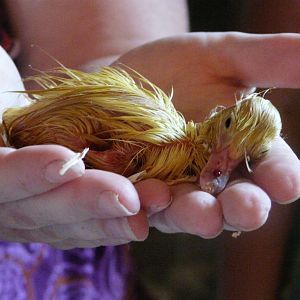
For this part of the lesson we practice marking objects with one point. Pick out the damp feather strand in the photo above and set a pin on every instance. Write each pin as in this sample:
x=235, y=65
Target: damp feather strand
x=132, y=127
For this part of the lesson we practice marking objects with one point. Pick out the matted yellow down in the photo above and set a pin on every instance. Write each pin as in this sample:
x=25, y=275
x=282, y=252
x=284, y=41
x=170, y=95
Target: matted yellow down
x=131, y=126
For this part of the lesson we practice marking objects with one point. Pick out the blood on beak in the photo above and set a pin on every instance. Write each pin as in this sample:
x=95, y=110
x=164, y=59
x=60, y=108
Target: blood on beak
x=215, y=175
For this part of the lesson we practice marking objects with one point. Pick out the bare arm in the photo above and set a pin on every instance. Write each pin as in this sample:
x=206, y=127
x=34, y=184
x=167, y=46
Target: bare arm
x=107, y=28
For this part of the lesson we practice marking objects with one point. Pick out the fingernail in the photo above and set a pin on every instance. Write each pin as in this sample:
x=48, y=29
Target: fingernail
x=155, y=209
x=119, y=229
x=109, y=202
x=139, y=226
x=52, y=171
x=228, y=227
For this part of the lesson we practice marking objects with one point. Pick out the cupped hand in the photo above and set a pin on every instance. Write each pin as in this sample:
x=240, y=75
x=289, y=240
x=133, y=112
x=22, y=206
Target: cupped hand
x=79, y=209
x=210, y=69
x=83, y=208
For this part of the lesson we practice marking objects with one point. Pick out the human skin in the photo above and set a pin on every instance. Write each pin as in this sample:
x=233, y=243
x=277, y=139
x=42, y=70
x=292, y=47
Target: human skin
x=253, y=267
x=215, y=67
x=205, y=70
x=84, y=208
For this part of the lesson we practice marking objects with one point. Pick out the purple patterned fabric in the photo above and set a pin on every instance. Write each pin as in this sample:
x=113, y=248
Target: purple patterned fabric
x=37, y=271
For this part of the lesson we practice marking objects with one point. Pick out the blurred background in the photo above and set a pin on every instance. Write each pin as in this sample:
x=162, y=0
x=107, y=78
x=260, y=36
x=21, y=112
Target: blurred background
x=261, y=265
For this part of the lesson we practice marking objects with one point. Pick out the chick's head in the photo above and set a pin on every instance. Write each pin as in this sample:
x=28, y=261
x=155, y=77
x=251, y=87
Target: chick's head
x=243, y=131
x=249, y=128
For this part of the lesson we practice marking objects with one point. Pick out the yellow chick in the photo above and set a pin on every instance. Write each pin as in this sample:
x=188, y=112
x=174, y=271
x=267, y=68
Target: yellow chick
x=132, y=128
x=243, y=131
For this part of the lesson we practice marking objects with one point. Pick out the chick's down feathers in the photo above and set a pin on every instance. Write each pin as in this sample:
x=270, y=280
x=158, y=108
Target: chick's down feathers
x=131, y=126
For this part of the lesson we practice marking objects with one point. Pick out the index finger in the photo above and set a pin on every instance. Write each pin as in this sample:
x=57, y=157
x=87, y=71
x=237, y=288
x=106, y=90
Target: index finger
x=262, y=60
x=34, y=170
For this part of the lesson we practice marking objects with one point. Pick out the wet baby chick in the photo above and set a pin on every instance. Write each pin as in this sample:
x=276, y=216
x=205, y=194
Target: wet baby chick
x=244, y=131
x=132, y=128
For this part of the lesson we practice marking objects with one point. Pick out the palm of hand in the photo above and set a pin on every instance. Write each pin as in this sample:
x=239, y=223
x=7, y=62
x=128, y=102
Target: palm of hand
x=191, y=67
x=201, y=70
x=210, y=73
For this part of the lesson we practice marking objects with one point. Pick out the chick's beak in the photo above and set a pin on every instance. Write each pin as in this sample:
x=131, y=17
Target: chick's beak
x=216, y=173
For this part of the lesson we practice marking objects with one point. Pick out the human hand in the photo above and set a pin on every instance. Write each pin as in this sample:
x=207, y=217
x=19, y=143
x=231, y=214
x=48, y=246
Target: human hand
x=80, y=209
x=210, y=69
x=83, y=208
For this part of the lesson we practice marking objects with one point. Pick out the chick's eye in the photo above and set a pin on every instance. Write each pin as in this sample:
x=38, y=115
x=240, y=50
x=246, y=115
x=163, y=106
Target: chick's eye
x=228, y=122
